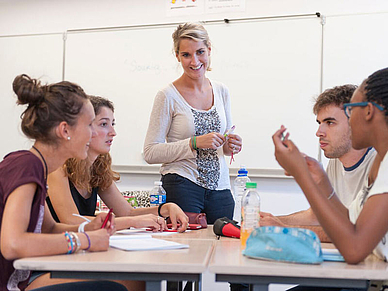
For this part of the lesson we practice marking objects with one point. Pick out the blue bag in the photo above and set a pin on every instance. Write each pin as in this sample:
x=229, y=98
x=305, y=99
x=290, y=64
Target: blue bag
x=288, y=244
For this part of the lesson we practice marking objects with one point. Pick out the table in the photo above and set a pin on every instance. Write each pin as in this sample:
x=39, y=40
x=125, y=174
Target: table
x=198, y=234
x=230, y=265
x=150, y=266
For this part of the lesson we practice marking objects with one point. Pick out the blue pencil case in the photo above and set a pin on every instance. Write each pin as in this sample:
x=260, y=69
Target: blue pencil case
x=286, y=244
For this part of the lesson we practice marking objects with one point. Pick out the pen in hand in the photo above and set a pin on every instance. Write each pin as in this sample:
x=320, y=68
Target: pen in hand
x=107, y=218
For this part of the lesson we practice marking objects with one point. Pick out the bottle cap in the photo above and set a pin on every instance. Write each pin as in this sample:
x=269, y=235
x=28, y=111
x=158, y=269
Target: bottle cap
x=242, y=171
x=251, y=185
x=158, y=183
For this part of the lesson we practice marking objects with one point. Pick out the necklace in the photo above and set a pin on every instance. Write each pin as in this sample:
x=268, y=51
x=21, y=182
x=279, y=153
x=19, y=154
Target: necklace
x=45, y=164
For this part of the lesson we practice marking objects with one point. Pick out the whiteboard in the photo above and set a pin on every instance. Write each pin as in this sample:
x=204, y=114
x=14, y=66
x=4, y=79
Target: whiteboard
x=272, y=69
x=355, y=47
x=39, y=56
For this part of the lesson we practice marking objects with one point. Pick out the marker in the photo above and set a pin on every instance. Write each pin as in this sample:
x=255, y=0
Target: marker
x=229, y=131
x=107, y=218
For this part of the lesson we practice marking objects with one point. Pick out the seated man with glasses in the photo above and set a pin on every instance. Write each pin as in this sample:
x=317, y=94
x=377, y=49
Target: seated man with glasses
x=347, y=169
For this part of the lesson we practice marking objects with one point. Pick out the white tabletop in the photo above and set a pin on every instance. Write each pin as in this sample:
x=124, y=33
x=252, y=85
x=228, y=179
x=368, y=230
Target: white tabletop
x=191, y=260
x=227, y=260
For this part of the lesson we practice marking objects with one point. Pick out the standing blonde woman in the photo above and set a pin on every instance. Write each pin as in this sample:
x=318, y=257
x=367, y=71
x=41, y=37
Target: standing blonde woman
x=186, y=131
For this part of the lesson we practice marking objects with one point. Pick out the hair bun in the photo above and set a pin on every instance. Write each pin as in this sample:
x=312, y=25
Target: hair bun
x=29, y=91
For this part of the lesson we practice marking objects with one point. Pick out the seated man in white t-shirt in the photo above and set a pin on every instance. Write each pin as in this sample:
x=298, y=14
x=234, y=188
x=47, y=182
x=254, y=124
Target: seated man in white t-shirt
x=347, y=169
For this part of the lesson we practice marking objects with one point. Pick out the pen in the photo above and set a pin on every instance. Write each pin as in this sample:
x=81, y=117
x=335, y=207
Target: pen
x=83, y=217
x=283, y=138
x=107, y=218
x=229, y=131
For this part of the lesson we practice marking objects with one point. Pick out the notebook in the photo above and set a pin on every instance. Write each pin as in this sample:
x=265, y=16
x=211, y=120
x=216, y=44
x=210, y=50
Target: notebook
x=143, y=243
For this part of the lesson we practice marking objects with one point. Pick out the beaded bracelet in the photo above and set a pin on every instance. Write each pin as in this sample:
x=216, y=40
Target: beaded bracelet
x=89, y=243
x=70, y=247
x=77, y=241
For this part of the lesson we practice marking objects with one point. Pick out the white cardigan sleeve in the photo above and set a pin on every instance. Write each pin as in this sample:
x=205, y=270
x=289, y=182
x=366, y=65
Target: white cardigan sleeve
x=156, y=149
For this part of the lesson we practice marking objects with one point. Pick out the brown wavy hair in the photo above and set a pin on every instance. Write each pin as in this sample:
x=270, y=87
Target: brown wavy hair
x=100, y=174
x=48, y=105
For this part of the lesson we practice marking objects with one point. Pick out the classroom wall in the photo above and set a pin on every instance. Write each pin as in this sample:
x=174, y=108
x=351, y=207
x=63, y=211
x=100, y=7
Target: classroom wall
x=349, y=23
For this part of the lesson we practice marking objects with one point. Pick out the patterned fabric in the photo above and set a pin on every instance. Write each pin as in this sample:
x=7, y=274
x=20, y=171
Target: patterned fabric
x=208, y=164
x=142, y=197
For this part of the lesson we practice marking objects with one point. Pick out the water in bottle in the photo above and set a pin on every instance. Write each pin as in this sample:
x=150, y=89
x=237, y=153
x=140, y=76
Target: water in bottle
x=250, y=212
x=239, y=189
x=158, y=194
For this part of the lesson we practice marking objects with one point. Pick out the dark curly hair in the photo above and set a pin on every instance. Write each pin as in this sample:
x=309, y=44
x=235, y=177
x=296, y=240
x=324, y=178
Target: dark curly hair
x=375, y=88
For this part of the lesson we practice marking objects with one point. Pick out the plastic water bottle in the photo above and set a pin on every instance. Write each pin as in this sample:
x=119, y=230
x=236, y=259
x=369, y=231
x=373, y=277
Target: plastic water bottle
x=238, y=193
x=157, y=194
x=250, y=212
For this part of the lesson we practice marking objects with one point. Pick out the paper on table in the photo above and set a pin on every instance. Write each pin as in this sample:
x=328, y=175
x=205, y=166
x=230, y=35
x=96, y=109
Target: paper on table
x=122, y=236
x=332, y=255
x=144, y=244
x=141, y=231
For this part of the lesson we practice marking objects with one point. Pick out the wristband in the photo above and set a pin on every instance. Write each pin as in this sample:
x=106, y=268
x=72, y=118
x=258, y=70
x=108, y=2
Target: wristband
x=81, y=227
x=77, y=241
x=89, y=243
x=331, y=195
x=159, y=208
x=69, y=240
x=193, y=141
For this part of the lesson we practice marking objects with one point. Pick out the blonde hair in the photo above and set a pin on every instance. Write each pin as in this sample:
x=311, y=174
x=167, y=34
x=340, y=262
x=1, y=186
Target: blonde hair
x=193, y=31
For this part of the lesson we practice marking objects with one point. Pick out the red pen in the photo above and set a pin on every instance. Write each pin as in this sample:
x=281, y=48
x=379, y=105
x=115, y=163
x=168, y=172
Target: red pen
x=107, y=218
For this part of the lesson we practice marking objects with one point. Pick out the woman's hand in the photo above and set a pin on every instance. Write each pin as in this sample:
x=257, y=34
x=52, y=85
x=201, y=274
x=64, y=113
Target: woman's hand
x=97, y=222
x=99, y=239
x=288, y=155
x=156, y=223
x=212, y=140
x=234, y=143
x=179, y=219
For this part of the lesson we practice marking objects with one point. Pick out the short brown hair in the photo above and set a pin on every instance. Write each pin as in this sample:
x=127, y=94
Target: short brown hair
x=338, y=96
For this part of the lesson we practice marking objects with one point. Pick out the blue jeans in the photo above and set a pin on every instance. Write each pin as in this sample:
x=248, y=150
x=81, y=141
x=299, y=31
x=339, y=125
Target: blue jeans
x=194, y=198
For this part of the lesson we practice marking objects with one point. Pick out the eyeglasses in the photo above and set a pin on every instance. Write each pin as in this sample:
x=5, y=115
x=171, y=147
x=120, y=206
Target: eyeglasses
x=348, y=107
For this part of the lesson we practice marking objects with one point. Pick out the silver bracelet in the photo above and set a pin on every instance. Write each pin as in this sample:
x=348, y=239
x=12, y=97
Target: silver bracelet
x=331, y=195
x=77, y=241
x=81, y=227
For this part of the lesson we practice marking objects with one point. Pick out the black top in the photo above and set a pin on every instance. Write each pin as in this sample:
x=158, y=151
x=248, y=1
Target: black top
x=85, y=207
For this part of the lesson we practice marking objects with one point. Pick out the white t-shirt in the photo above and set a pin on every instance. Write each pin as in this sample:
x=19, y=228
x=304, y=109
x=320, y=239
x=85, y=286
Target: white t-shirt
x=173, y=122
x=380, y=186
x=347, y=182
